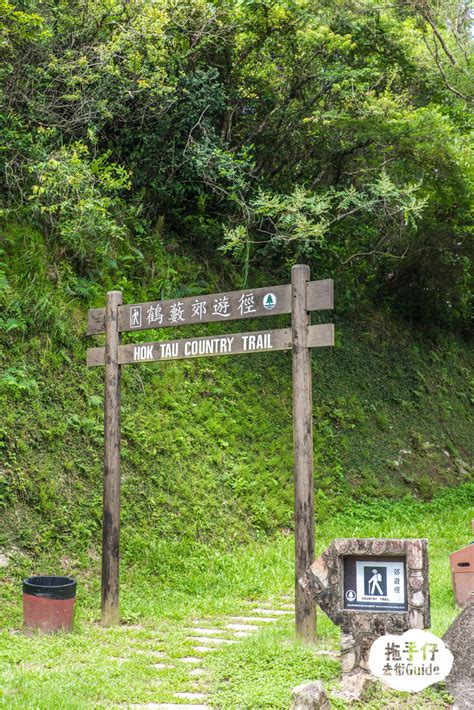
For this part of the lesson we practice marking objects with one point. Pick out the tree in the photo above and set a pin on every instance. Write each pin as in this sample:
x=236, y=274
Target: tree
x=337, y=132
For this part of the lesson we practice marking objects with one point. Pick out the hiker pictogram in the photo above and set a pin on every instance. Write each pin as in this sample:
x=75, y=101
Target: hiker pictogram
x=375, y=581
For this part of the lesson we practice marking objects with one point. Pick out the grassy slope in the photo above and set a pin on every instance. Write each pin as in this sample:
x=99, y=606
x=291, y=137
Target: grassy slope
x=207, y=443
x=207, y=459
x=100, y=667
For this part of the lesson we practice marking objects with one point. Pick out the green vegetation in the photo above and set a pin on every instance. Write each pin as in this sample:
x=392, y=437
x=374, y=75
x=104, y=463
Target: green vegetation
x=164, y=591
x=207, y=465
x=170, y=149
x=392, y=416
x=331, y=132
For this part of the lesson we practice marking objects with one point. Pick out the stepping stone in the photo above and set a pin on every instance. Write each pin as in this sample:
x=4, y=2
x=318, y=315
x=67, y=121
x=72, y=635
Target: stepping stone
x=258, y=619
x=127, y=627
x=203, y=649
x=275, y=612
x=189, y=659
x=155, y=654
x=205, y=639
x=192, y=696
x=207, y=632
x=242, y=634
x=162, y=666
x=242, y=627
x=197, y=671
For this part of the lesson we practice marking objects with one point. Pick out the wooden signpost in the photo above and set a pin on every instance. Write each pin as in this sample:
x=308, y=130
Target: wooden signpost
x=299, y=299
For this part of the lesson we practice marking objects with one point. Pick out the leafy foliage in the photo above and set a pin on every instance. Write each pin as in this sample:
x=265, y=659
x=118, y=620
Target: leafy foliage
x=334, y=132
x=76, y=201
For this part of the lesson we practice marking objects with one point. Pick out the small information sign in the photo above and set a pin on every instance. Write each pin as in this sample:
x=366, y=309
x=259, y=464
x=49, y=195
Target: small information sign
x=375, y=584
x=370, y=587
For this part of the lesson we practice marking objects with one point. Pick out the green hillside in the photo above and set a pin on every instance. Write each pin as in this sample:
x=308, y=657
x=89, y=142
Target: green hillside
x=207, y=443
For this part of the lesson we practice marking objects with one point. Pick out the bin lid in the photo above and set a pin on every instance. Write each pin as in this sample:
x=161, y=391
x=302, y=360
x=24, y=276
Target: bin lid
x=50, y=587
x=462, y=560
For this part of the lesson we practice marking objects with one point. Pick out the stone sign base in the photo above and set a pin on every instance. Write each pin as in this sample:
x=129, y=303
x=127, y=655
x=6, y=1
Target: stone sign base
x=386, y=592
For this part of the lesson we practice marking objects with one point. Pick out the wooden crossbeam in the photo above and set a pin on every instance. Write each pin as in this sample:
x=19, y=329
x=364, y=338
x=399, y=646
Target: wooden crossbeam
x=212, y=308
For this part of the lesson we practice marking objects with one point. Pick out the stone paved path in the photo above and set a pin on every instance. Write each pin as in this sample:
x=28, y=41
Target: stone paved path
x=210, y=636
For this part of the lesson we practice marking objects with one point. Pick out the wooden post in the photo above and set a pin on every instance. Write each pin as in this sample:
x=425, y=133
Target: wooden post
x=111, y=520
x=305, y=611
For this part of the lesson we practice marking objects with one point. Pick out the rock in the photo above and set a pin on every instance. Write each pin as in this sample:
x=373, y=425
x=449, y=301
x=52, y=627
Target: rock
x=460, y=682
x=354, y=685
x=4, y=561
x=348, y=660
x=348, y=652
x=310, y=696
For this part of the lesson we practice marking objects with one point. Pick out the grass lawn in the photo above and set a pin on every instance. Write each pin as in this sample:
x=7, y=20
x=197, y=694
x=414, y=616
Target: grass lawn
x=168, y=587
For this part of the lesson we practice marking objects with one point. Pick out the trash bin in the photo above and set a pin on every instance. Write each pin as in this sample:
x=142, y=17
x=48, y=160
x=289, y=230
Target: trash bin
x=48, y=603
x=462, y=573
